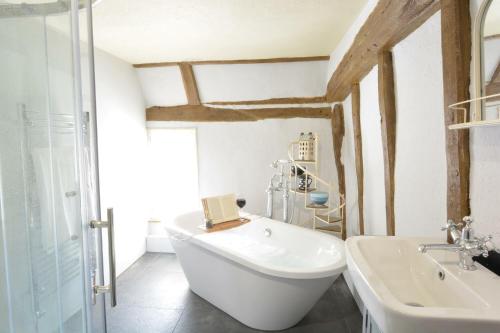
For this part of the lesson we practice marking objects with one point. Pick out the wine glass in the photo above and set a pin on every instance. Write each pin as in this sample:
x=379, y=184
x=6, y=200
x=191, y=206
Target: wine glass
x=241, y=202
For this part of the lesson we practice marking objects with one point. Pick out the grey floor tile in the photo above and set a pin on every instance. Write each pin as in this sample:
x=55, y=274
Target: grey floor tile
x=325, y=310
x=336, y=326
x=135, y=319
x=168, y=263
x=201, y=316
x=354, y=323
x=346, y=303
x=156, y=289
x=154, y=297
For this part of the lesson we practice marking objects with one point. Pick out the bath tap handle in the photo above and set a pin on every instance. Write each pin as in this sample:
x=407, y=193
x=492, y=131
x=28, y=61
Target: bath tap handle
x=450, y=225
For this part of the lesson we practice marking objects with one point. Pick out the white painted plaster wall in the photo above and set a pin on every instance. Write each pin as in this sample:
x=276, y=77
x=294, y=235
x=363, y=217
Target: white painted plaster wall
x=122, y=148
x=420, y=175
x=373, y=158
x=163, y=86
x=236, y=157
x=240, y=82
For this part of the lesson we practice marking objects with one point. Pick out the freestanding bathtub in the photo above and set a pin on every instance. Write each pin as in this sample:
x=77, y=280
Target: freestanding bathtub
x=266, y=274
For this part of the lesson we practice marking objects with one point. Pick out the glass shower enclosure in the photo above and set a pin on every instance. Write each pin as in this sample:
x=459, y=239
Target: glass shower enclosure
x=49, y=258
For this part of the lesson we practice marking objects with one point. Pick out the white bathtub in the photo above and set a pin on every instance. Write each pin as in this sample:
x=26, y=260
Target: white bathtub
x=265, y=282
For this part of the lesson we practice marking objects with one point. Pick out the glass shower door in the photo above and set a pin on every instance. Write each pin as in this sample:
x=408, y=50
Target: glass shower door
x=46, y=184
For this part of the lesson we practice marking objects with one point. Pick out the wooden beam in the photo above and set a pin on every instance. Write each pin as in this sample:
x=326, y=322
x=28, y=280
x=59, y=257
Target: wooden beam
x=387, y=103
x=201, y=113
x=190, y=86
x=358, y=152
x=285, y=100
x=389, y=23
x=338, y=132
x=233, y=62
x=456, y=55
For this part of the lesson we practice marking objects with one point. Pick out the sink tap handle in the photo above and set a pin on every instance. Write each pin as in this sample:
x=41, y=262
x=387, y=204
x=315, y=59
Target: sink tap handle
x=488, y=245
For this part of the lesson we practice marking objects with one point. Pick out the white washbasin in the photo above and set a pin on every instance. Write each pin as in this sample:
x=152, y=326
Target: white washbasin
x=404, y=292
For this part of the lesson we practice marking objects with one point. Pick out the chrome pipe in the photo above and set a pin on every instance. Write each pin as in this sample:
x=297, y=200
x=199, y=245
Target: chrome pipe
x=285, y=205
x=270, y=199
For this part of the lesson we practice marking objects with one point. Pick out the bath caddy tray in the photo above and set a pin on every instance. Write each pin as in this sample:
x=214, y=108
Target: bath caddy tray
x=225, y=225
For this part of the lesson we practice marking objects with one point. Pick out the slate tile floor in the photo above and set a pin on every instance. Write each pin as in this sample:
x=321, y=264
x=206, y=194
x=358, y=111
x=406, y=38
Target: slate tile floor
x=154, y=297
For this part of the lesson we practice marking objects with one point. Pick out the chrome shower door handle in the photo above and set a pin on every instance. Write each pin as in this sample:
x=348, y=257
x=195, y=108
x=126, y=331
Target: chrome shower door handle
x=111, y=287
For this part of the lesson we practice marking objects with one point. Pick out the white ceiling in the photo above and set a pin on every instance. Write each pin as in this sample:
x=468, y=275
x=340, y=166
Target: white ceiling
x=141, y=31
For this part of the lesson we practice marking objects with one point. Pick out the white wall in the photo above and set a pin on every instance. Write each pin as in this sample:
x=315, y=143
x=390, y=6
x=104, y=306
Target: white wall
x=373, y=158
x=162, y=86
x=235, y=82
x=241, y=82
x=236, y=157
x=420, y=175
x=122, y=148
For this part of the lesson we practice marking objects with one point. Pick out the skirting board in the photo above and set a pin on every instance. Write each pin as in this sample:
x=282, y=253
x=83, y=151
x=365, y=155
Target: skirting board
x=159, y=243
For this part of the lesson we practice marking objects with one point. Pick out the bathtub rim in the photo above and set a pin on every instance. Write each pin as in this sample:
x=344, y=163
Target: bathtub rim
x=181, y=234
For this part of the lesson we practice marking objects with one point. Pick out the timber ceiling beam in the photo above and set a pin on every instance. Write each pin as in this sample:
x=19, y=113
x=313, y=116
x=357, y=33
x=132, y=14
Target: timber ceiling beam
x=389, y=23
x=201, y=113
x=285, y=100
x=233, y=62
x=456, y=55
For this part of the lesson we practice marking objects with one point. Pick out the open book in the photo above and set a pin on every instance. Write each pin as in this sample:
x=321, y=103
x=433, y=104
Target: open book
x=221, y=208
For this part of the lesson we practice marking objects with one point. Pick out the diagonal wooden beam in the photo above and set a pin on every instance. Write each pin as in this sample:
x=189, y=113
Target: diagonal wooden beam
x=201, y=113
x=189, y=81
x=456, y=54
x=283, y=100
x=358, y=152
x=387, y=103
x=389, y=23
x=338, y=132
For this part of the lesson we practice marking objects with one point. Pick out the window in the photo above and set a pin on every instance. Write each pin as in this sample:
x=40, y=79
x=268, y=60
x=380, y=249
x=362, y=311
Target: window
x=173, y=173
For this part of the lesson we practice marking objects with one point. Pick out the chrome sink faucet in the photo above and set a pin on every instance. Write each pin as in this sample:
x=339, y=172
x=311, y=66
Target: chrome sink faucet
x=464, y=242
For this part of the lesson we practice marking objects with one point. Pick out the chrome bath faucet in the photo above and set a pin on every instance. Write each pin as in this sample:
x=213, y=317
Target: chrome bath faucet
x=464, y=242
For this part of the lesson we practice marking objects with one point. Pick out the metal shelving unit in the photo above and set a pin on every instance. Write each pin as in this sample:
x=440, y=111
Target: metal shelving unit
x=328, y=217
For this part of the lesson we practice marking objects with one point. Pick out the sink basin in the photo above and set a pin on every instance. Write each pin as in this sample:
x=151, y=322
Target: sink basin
x=409, y=292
